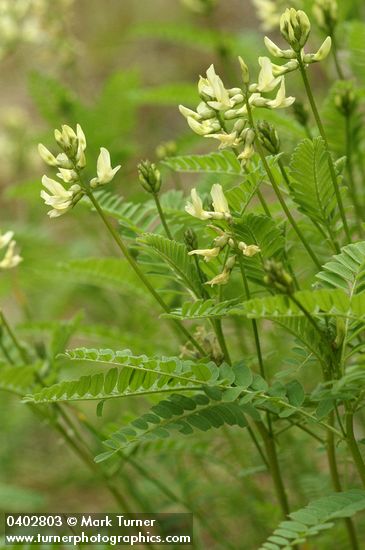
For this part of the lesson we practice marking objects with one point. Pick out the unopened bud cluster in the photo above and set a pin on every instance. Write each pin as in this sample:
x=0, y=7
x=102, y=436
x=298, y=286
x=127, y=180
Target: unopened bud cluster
x=149, y=176
x=268, y=137
x=70, y=164
x=346, y=99
x=326, y=14
x=268, y=12
x=277, y=277
x=166, y=149
x=199, y=6
x=10, y=259
x=295, y=28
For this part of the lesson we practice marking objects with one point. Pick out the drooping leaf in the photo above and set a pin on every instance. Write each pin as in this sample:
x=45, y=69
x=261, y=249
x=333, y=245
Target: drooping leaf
x=316, y=517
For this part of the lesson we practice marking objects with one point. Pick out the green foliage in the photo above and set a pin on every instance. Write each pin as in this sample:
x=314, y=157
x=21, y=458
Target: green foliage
x=130, y=375
x=16, y=379
x=224, y=162
x=177, y=413
x=316, y=517
x=334, y=303
x=311, y=185
x=176, y=256
x=346, y=270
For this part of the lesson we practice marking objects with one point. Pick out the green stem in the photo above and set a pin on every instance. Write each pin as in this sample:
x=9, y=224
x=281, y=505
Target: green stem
x=350, y=172
x=17, y=344
x=222, y=341
x=267, y=435
x=341, y=76
x=253, y=321
x=332, y=169
x=274, y=468
x=258, y=192
x=353, y=446
x=124, y=249
x=331, y=456
x=5, y=352
x=162, y=216
x=263, y=203
x=278, y=192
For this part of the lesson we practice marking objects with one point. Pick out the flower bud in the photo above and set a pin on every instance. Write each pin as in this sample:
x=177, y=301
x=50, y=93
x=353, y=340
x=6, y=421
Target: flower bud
x=295, y=28
x=149, y=176
x=245, y=71
x=326, y=14
x=276, y=51
x=46, y=155
x=301, y=113
x=166, y=149
x=321, y=54
x=190, y=239
x=345, y=99
x=268, y=137
x=277, y=277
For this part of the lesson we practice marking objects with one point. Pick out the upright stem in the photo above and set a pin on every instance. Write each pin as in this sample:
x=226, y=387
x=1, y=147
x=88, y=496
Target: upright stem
x=350, y=172
x=17, y=344
x=267, y=434
x=139, y=272
x=162, y=216
x=353, y=446
x=332, y=462
x=274, y=468
x=278, y=192
x=341, y=76
x=332, y=169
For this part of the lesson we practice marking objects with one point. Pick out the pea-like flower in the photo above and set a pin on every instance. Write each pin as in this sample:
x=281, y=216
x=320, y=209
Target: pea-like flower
x=220, y=203
x=223, y=278
x=248, y=250
x=208, y=253
x=11, y=258
x=266, y=81
x=280, y=101
x=105, y=172
x=61, y=200
x=195, y=207
x=321, y=54
x=212, y=89
x=276, y=51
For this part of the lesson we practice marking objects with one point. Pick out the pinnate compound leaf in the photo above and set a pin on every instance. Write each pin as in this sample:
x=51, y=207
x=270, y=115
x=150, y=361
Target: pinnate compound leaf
x=316, y=517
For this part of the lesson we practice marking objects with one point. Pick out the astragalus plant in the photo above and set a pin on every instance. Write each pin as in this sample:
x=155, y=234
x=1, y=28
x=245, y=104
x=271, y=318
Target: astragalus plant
x=258, y=277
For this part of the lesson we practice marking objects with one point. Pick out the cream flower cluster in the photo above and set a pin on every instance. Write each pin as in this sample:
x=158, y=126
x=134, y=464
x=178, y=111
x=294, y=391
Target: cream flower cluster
x=11, y=258
x=31, y=22
x=268, y=12
x=295, y=28
x=70, y=163
x=326, y=14
x=221, y=107
x=224, y=114
x=220, y=212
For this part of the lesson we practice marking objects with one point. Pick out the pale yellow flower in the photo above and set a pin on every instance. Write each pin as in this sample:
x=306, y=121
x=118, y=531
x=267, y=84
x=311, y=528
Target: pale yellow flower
x=105, y=172
x=208, y=253
x=61, y=200
x=195, y=207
